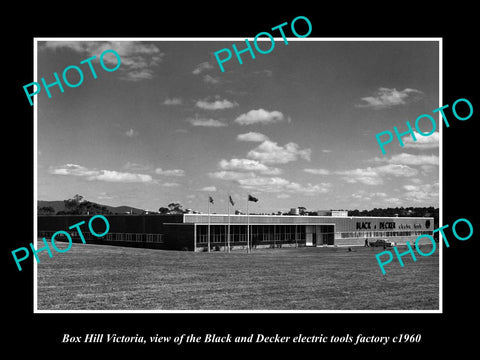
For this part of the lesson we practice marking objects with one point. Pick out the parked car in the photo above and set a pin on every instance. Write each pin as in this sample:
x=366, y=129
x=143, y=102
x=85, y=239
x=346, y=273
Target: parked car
x=382, y=242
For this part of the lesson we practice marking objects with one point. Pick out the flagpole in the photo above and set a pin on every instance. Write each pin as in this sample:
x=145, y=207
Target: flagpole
x=228, y=228
x=248, y=230
x=208, y=228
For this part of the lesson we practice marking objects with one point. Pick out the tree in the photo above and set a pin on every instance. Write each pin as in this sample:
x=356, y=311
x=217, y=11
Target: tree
x=46, y=210
x=172, y=208
x=175, y=208
x=302, y=210
x=72, y=205
x=79, y=206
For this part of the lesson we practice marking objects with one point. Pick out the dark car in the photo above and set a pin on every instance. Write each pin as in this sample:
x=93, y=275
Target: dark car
x=382, y=242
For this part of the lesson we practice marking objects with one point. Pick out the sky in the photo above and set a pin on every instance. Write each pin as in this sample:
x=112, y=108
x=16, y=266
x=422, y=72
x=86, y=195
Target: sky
x=295, y=127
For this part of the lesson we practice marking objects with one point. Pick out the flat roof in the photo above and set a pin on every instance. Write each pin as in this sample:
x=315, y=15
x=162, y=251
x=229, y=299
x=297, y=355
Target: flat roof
x=316, y=216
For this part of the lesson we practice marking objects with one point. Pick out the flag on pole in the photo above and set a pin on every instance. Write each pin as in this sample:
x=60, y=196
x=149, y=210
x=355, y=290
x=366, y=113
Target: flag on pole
x=231, y=200
x=210, y=199
x=254, y=199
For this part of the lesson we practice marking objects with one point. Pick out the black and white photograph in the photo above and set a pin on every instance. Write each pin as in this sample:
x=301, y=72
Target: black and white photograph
x=261, y=187
x=217, y=179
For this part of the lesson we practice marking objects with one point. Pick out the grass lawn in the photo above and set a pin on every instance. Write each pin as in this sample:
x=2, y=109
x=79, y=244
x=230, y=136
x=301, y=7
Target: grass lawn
x=97, y=277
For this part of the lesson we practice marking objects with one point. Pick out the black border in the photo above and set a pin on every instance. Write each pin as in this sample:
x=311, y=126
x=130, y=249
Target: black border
x=43, y=332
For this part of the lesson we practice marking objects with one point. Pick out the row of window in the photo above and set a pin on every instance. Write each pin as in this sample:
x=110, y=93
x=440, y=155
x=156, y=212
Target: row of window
x=255, y=239
x=238, y=233
x=288, y=234
x=369, y=234
x=131, y=237
x=148, y=238
x=254, y=229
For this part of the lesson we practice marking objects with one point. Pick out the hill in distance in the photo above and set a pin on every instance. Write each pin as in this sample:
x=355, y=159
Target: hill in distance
x=59, y=205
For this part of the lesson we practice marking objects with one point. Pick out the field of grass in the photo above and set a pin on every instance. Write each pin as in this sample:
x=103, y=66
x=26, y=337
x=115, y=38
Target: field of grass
x=97, y=277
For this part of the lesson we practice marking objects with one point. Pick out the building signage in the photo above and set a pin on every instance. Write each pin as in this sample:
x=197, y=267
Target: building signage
x=409, y=226
x=367, y=225
x=386, y=225
x=364, y=225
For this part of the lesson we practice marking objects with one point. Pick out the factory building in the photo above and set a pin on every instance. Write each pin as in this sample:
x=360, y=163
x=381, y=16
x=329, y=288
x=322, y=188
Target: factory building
x=196, y=232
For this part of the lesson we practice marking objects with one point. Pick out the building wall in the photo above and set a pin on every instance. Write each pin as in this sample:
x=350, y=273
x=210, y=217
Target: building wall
x=147, y=231
x=342, y=223
x=179, y=231
x=179, y=236
x=346, y=231
x=144, y=224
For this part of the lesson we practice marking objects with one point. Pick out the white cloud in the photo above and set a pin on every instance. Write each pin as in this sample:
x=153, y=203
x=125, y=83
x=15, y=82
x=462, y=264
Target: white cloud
x=410, y=159
x=173, y=101
x=231, y=175
x=116, y=176
x=317, y=171
x=427, y=168
x=374, y=199
x=252, y=136
x=137, y=75
x=247, y=165
x=173, y=172
x=210, y=79
x=399, y=165
x=100, y=175
x=366, y=176
x=260, y=116
x=252, y=173
x=277, y=184
x=423, y=142
x=363, y=195
x=209, y=188
x=131, y=133
x=79, y=46
x=396, y=170
x=202, y=67
x=385, y=98
x=264, y=183
x=374, y=175
x=215, y=104
x=206, y=122
x=139, y=60
x=422, y=193
x=251, y=181
x=72, y=169
x=410, y=187
x=392, y=201
x=270, y=152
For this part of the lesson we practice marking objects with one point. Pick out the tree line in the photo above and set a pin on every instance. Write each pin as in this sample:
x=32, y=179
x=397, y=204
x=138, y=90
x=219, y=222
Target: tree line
x=78, y=205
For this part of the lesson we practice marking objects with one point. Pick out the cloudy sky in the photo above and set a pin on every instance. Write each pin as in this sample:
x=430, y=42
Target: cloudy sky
x=295, y=127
